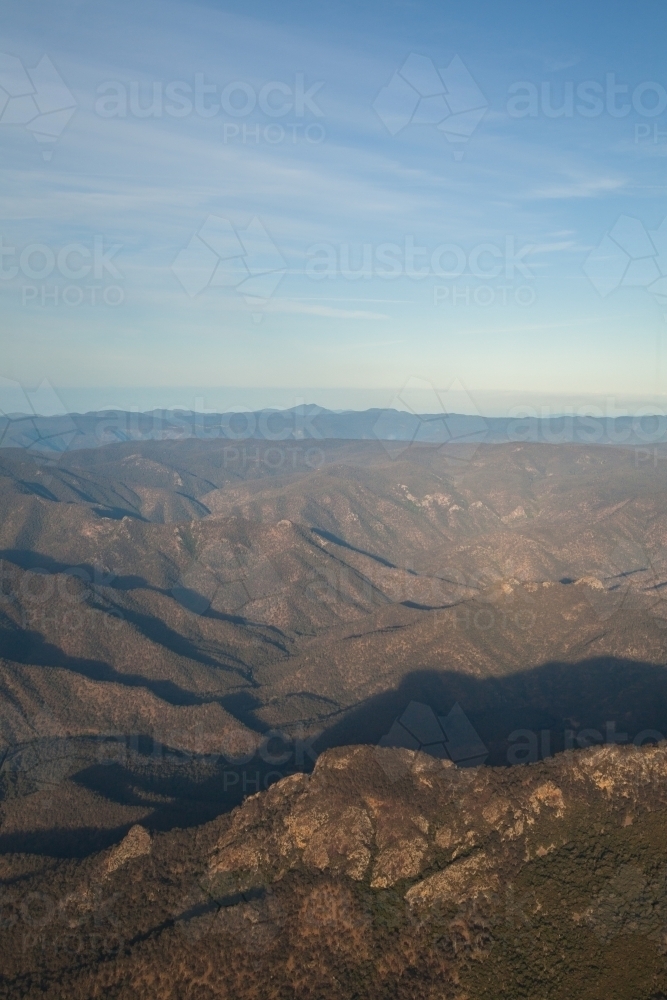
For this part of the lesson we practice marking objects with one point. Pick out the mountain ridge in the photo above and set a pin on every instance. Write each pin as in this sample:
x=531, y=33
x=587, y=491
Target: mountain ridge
x=312, y=423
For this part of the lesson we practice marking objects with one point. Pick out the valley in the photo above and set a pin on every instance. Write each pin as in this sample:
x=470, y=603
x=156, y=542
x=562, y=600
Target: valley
x=167, y=610
x=243, y=713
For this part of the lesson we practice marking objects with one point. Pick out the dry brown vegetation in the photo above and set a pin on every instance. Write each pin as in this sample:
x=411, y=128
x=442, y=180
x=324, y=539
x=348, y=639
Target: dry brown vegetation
x=165, y=606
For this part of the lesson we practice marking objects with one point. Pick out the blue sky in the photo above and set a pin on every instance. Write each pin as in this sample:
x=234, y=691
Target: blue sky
x=324, y=177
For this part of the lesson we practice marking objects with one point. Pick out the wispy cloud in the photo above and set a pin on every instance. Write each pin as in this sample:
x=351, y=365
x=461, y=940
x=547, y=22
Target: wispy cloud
x=583, y=187
x=328, y=312
x=150, y=183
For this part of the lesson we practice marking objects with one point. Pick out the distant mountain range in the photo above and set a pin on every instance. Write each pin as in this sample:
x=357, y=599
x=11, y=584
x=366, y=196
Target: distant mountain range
x=313, y=423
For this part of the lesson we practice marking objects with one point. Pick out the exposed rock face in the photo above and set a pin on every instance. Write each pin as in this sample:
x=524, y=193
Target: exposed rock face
x=146, y=585
x=136, y=844
x=357, y=817
x=452, y=845
x=386, y=873
x=463, y=878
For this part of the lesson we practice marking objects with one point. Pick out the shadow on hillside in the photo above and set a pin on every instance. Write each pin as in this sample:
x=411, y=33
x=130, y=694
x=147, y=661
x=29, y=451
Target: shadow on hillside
x=39, y=562
x=328, y=536
x=30, y=648
x=102, y=581
x=62, y=842
x=594, y=701
x=172, y=788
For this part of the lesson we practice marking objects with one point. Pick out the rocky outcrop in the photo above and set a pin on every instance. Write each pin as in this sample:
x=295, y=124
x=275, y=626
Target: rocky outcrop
x=135, y=844
x=387, y=817
x=385, y=873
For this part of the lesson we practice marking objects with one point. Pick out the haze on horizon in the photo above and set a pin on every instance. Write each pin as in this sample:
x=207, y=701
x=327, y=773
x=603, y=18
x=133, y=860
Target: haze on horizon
x=356, y=240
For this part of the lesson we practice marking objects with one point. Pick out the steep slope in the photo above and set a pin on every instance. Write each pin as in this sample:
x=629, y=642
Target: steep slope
x=526, y=583
x=385, y=873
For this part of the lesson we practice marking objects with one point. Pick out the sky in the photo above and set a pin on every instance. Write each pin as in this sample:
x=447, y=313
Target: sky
x=269, y=204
